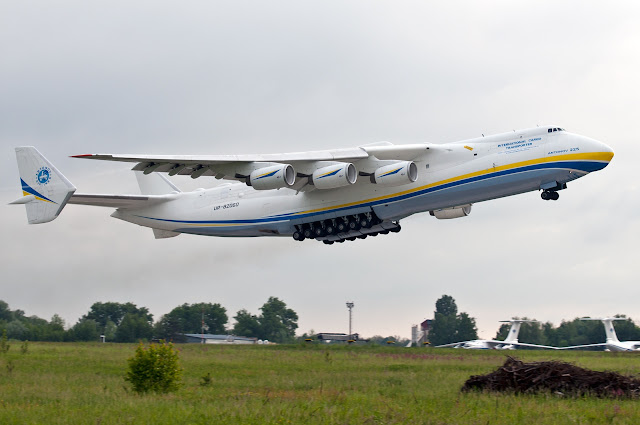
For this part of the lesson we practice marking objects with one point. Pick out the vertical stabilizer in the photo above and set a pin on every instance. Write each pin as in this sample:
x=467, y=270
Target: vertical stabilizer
x=513, y=332
x=45, y=190
x=512, y=338
x=612, y=337
x=609, y=330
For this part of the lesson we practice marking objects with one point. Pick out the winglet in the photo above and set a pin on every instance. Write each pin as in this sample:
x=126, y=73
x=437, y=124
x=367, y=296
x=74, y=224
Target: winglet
x=46, y=190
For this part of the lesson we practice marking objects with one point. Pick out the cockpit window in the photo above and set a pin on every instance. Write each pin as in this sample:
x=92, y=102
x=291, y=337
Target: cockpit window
x=555, y=129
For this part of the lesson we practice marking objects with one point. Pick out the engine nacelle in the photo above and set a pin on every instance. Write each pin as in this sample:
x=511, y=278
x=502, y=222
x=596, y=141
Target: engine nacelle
x=455, y=212
x=274, y=177
x=333, y=176
x=396, y=174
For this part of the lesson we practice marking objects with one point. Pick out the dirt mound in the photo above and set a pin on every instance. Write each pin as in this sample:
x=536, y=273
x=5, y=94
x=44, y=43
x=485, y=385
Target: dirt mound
x=556, y=377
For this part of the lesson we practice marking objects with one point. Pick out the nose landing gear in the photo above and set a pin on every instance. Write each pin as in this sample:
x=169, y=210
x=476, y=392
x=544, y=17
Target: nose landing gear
x=550, y=195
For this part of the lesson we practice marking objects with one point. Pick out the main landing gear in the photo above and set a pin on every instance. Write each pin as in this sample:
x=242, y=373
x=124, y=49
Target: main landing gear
x=347, y=228
x=550, y=195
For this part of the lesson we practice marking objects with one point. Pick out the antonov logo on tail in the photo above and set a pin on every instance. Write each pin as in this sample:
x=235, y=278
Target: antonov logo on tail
x=332, y=195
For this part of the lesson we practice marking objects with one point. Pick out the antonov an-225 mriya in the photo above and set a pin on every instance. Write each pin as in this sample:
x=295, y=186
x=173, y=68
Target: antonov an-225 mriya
x=332, y=195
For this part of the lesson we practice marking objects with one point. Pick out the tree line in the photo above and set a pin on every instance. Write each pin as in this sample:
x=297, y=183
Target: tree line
x=126, y=322
x=449, y=326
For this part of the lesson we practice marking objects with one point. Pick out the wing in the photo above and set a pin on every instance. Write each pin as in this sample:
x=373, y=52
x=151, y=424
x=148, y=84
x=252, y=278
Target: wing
x=119, y=201
x=577, y=347
x=525, y=345
x=272, y=171
x=452, y=345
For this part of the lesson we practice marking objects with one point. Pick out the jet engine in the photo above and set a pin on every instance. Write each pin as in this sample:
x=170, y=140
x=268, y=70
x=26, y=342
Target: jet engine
x=396, y=174
x=333, y=176
x=455, y=212
x=274, y=177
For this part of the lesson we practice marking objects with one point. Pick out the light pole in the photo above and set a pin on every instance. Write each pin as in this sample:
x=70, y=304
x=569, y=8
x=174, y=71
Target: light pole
x=350, y=307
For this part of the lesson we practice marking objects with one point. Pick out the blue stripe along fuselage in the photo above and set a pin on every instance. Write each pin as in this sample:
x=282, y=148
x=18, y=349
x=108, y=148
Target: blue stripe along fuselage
x=586, y=166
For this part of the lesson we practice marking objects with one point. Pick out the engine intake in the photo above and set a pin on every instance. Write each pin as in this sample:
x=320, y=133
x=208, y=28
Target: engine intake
x=396, y=174
x=333, y=176
x=274, y=177
x=454, y=212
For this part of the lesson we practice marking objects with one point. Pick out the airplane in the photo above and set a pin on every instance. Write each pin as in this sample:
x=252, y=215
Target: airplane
x=612, y=343
x=509, y=343
x=330, y=196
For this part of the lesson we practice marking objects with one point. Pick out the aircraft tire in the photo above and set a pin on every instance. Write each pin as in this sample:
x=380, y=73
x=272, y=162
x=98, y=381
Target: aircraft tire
x=545, y=195
x=330, y=229
x=555, y=196
x=364, y=222
x=307, y=233
x=298, y=236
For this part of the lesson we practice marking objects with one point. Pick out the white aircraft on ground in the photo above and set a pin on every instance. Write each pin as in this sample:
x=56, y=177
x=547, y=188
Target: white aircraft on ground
x=612, y=343
x=332, y=195
x=509, y=343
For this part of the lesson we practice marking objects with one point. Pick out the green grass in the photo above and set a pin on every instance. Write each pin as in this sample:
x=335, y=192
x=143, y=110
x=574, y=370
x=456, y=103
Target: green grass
x=71, y=383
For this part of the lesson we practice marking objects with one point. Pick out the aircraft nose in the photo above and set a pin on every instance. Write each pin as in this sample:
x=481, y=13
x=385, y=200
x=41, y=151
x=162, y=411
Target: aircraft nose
x=606, y=151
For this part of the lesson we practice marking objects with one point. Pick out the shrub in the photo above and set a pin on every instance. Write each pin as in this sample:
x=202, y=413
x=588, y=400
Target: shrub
x=154, y=368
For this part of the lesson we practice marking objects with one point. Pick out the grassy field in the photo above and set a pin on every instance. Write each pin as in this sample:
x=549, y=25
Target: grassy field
x=71, y=383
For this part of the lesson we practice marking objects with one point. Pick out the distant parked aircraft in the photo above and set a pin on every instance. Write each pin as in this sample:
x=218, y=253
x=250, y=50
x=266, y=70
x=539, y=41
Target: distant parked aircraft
x=510, y=342
x=331, y=195
x=612, y=343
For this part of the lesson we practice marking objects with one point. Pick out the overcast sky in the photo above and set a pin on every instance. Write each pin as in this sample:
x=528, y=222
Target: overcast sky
x=220, y=77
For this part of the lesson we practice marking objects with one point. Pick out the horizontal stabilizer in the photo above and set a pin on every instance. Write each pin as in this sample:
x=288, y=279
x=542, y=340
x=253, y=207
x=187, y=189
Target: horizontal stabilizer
x=119, y=201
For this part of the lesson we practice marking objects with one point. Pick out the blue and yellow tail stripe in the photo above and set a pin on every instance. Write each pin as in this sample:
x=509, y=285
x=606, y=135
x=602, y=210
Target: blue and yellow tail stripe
x=586, y=162
x=28, y=190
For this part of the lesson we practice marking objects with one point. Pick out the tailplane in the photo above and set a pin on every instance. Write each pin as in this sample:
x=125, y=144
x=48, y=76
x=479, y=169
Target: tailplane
x=45, y=190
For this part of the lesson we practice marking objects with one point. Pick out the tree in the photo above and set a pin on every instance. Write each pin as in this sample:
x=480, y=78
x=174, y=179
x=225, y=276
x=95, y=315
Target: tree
x=466, y=327
x=277, y=322
x=447, y=305
x=246, y=324
x=188, y=318
x=448, y=326
x=133, y=327
x=103, y=313
x=84, y=330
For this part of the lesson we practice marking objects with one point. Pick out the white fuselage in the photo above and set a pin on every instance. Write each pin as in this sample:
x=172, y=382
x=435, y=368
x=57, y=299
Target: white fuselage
x=461, y=173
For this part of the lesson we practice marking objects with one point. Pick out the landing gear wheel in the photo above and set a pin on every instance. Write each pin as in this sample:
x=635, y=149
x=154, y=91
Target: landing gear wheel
x=555, y=196
x=364, y=222
x=307, y=233
x=318, y=232
x=354, y=225
x=546, y=195
x=330, y=229
x=341, y=227
x=327, y=242
x=298, y=236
